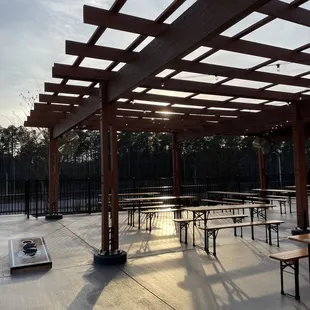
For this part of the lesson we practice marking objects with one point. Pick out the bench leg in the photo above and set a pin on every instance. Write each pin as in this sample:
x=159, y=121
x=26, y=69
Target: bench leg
x=180, y=232
x=281, y=208
x=296, y=274
x=186, y=228
x=269, y=230
x=235, y=229
x=214, y=242
x=281, y=278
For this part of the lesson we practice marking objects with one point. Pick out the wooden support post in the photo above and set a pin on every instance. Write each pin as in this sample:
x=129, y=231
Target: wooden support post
x=262, y=170
x=114, y=179
x=109, y=254
x=53, y=176
x=56, y=176
x=176, y=166
x=300, y=167
x=105, y=177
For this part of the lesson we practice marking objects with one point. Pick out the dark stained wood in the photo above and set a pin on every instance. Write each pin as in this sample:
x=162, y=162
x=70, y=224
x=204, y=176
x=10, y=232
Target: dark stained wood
x=99, y=52
x=176, y=166
x=300, y=167
x=235, y=73
x=70, y=89
x=224, y=90
x=105, y=177
x=285, y=11
x=104, y=18
x=81, y=73
x=262, y=170
x=258, y=49
x=207, y=18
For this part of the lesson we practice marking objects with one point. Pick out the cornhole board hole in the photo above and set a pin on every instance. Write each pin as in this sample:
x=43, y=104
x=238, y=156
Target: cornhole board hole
x=28, y=254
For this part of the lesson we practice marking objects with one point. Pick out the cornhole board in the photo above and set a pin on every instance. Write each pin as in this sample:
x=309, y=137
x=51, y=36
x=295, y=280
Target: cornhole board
x=21, y=262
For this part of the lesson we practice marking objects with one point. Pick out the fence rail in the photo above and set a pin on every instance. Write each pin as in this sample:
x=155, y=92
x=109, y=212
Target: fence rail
x=81, y=196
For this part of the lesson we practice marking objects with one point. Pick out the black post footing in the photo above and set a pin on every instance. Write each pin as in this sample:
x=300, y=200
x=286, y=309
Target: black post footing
x=52, y=217
x=300, y=231
x=117, y=257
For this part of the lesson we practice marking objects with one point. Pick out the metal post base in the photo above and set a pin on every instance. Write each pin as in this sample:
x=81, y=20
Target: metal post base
x=300, y=231
x=53, y=217
x=117, y=257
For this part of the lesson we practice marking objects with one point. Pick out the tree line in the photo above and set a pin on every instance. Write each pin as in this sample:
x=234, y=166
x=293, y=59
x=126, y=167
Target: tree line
x=24, y=154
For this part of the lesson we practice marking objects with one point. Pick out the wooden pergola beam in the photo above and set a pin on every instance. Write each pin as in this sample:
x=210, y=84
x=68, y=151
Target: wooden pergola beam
x=207, y=18
x=71, y=89
x=236, y=73
x=123, y=22
x=257, y=49
x=222, y=90
x=286, y=12
x=99, y=52
x=81, y=73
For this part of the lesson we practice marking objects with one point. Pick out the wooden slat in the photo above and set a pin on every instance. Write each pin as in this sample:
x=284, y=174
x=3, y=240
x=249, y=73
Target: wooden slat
x=224, y=90
x=104, y=18
x=81, y=73
x=99, y=52
x=284, y=11
x=257, y=49
x=61, y=99
x=236, y=73
x=70, y=89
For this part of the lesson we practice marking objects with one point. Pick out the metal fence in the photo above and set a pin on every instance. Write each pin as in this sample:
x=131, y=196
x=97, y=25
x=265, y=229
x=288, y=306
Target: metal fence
x=81, y=196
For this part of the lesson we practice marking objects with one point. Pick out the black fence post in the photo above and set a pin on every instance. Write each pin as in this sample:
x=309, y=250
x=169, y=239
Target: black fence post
x=27, y=203
x=133, y=184
x=207, y=185
x=36, y=196
x=238, y=183
x=89, y=195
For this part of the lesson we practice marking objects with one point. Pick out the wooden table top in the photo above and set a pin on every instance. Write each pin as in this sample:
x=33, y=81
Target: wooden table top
x=275, y=190
x=228, y=207
x=304, y=238
x=294, y=186
x=232, y=193
x=158, y=198
x=136, y=194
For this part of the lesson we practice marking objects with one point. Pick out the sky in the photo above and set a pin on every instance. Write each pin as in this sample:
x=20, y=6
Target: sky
x=33, y=34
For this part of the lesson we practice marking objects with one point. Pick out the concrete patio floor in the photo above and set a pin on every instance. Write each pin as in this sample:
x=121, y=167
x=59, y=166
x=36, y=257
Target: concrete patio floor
x=160, y=273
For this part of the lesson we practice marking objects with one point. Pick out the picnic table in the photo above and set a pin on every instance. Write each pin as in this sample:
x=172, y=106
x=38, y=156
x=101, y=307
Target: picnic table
x=287, y=192
x=136, y=202
x=294, y=186
x=304, y=238
x=243, y=196
x=204, y=211
x=135, y=194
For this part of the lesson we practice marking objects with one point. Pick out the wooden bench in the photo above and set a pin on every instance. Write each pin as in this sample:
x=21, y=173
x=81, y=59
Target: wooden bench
x=184, y=222
x=131, y=210
x=281, y=200
x=216, y=202
x=240, y=201
x=290, y=259
x=212, y=231
x=150, y=214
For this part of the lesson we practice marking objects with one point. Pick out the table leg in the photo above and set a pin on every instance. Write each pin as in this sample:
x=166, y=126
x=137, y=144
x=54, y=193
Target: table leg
x=290, y=203
x=309, y=259
x=252, y=216
x=194, y=224
x=139, y=216
x=205, y=223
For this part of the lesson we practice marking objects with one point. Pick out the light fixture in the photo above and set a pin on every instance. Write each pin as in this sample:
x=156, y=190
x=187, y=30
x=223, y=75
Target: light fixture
x=162, y=83
x=278, y=67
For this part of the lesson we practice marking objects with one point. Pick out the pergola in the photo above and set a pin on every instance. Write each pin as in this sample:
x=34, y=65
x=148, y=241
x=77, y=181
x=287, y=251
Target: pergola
x=166, y=80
